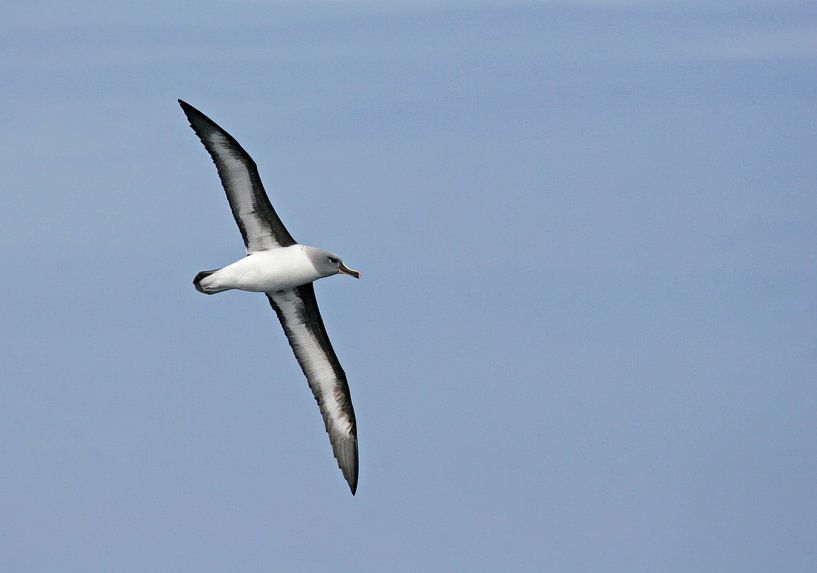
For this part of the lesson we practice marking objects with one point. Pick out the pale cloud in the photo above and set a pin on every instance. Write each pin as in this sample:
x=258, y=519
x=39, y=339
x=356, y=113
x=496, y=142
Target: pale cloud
x=791, y=43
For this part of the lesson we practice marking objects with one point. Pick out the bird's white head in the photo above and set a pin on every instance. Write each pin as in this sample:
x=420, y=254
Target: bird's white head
x=328, y=264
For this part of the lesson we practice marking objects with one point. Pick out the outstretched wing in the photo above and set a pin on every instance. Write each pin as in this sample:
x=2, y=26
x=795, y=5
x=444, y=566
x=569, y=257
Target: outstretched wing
x=298, y=312
x=259, y=224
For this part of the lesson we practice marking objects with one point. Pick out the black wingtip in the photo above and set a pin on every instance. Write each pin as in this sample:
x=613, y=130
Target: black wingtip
x=193, y=114
x=187, y=108
x=351, y=477
x=344, y=447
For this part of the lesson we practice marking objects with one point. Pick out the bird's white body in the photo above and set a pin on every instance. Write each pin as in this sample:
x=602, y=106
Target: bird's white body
x=265, y=271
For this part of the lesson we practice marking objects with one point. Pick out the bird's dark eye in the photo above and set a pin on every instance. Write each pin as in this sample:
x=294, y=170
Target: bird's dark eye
x=333, y=260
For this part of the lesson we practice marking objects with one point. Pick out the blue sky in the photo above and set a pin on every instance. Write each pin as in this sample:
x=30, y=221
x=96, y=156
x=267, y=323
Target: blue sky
x=586, y=334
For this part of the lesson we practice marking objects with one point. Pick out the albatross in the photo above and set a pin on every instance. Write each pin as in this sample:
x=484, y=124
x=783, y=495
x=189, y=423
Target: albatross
x=284, y=270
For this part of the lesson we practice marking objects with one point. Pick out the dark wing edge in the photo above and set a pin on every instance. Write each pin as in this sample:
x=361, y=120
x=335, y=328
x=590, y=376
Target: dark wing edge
x=260, y=226
x=298, y=311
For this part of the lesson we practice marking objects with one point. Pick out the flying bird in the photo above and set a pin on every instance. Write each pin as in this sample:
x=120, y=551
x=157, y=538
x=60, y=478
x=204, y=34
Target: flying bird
x=283, y=269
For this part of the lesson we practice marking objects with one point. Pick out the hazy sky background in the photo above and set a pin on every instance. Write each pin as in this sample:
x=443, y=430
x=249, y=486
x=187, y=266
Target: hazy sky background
x=586, y=335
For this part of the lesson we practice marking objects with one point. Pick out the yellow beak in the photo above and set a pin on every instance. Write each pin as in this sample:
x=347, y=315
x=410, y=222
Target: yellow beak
x=347, y=271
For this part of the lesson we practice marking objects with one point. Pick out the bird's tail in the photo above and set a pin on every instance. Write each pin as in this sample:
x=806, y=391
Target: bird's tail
x=206, y=289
